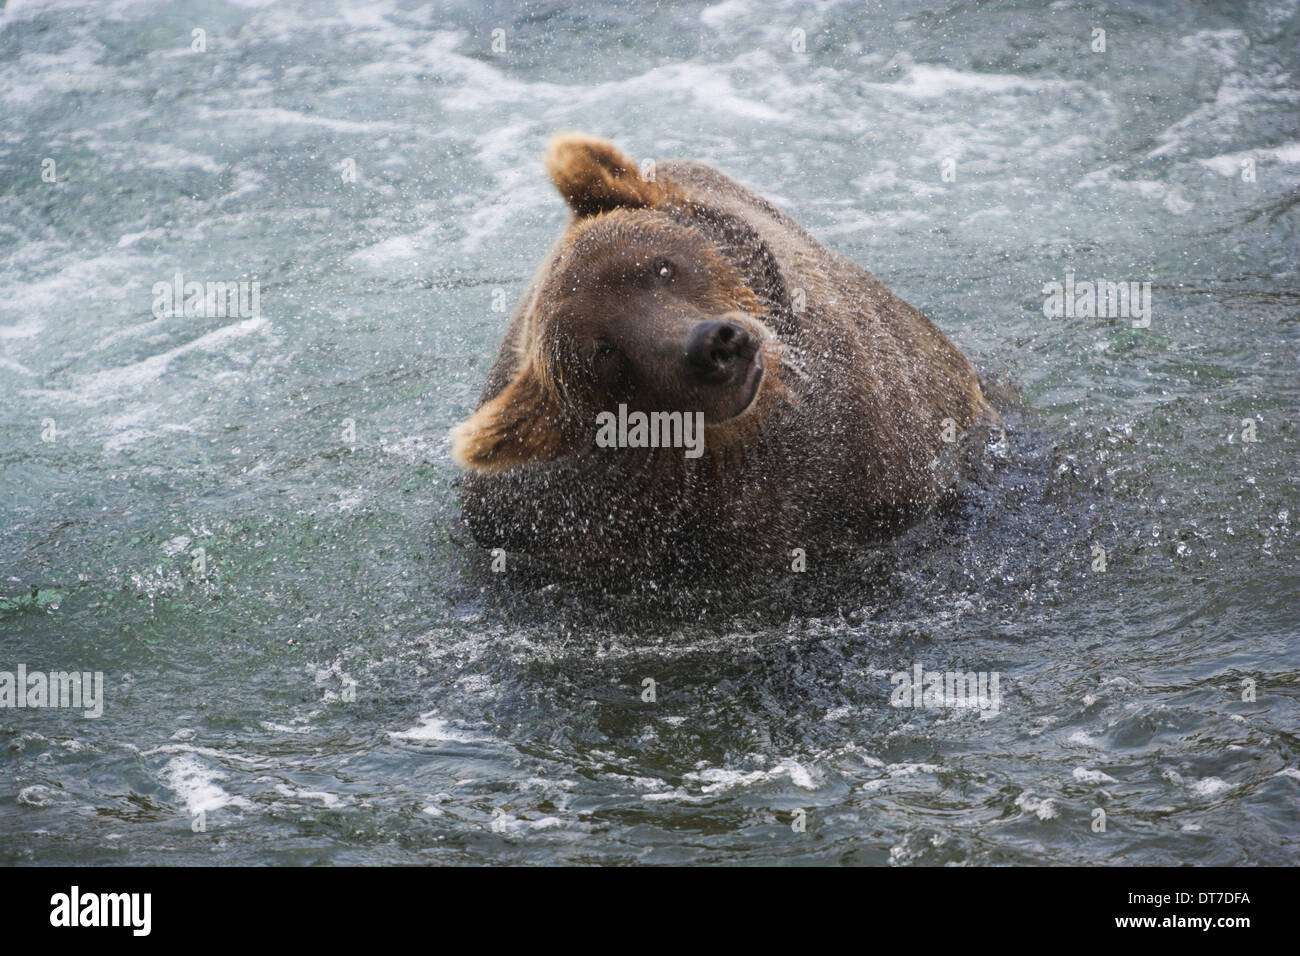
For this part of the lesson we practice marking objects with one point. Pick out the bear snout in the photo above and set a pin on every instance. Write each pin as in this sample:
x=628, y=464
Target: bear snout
x=716, y=349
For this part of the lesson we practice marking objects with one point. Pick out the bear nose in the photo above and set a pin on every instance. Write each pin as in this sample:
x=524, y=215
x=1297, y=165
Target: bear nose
x=713, y=347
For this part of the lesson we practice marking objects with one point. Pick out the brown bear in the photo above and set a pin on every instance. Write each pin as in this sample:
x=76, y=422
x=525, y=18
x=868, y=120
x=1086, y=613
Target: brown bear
x=690, y=373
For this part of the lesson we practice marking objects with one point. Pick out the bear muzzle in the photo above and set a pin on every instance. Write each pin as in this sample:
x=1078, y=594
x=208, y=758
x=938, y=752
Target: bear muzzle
x=725, y=358
x=716, y=349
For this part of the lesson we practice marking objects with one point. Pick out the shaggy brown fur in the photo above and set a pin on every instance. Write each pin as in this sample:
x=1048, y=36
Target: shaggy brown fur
x=846, y=426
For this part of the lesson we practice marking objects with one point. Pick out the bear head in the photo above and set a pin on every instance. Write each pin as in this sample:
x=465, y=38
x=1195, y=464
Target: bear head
x=645, y=302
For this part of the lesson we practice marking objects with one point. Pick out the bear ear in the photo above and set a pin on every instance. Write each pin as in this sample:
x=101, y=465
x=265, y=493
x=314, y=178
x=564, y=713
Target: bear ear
x=525, y=422
x=594, y=177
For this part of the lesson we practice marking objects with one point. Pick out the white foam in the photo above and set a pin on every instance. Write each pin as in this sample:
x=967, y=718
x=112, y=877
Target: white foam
x=433, y=729
x=411, y=448
x=176, y=545
x=911, y=769
x=103, y=386
x=202, y=751
x=401, y=255
x=247, y=182
x=1084, y=775
x=38, y=795
x=34, y=78
x=128, y=239
x=279, y=118
x=720, y=14
x=349, y=502
x=484, y=89
x=1229, y=164
x=929, y=81
x=25, y=329
x=15, y=366
x=196, y=785
x=1220, y=120
x=677, y=794
x=1043, y=809
x=503, y=822
x=1209, y=786
x=169, y=158
x=282, y=728
x=330, y=800
x=1221, y=46
x=716, y=779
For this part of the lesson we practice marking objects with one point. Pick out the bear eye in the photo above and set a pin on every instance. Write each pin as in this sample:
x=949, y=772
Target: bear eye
x=663, y=269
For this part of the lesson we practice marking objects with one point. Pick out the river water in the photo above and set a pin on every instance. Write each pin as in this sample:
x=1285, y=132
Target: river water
x=247, y=523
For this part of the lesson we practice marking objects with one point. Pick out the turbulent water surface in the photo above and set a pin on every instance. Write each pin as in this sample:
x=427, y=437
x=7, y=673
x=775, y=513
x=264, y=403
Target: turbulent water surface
x=248, y=523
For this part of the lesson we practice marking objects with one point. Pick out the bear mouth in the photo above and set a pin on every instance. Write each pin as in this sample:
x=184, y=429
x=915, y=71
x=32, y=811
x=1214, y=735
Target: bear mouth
x=749, y=386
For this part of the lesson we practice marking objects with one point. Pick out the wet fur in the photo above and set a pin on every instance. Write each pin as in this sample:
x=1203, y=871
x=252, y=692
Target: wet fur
x=845, y=433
